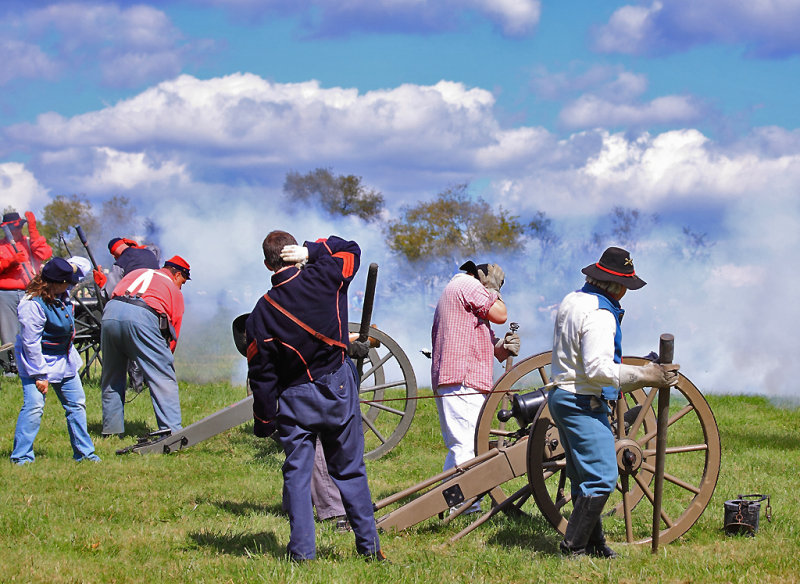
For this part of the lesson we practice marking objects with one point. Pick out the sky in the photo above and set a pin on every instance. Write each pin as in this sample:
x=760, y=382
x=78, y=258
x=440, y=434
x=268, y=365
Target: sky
x=682, y=111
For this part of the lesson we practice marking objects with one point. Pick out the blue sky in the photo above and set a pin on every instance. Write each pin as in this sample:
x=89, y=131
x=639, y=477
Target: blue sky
x=197, y=109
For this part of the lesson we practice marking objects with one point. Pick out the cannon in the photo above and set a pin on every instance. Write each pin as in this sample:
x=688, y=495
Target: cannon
x=388, y=390
x=520, y=463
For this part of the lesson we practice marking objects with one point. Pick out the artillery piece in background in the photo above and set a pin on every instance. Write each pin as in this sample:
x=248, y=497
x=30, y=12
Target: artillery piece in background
x=520, y=462
x=387, y=393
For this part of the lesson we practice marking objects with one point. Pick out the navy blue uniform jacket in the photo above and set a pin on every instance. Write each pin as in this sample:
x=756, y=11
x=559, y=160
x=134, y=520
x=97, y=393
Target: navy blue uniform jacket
x=280, y=353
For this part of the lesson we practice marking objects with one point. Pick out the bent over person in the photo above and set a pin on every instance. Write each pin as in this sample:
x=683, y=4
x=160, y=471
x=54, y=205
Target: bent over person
x=142, y=322
x=588, y=371
x=304, y=385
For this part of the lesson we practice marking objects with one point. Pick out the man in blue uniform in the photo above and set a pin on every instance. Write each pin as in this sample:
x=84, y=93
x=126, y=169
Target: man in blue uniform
x=588, y=371
x=304, y=385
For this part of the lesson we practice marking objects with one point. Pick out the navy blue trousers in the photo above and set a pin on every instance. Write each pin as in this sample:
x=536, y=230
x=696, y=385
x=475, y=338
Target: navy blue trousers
x=329, y=409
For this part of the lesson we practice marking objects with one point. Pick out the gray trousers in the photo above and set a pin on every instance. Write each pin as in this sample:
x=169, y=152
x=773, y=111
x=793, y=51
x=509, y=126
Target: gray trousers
x=324, y=494
x=9, y=321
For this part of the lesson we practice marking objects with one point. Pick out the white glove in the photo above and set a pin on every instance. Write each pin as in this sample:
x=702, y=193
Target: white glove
x=493, y=278
x=294, y=254
x=510, y=343
x=651, y=375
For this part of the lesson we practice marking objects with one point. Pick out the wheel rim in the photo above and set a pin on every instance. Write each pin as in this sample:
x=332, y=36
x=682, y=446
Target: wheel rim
x=388, y=391
x=528, y=374
x=691, y=467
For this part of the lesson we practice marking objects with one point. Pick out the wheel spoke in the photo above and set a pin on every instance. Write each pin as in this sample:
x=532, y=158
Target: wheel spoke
x=382, y=386
x=383, y=408
x=376, y=365
x=646, y=407
x=674, y=480
x=372, y=427
x=685, y=410
x=677, y=449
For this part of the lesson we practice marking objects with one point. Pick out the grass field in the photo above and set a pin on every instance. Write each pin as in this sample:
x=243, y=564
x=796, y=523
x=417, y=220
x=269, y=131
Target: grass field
x=212, y=513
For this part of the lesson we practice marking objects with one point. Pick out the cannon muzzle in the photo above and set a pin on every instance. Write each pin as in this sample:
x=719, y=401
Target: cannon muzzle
x=523, y=407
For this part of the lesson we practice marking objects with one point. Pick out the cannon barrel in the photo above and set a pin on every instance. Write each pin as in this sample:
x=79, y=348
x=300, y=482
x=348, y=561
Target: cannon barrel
x=523, y=407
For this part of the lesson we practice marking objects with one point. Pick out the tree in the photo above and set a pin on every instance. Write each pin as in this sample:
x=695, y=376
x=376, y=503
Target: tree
x=59, y=219
x=338, y=195
x=695, y=245
x=627, y=227
x=453, y=224
x=117, y=212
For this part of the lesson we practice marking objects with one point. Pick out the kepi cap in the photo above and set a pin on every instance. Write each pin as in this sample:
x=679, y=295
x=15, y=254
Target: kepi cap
x=59, y=271
x=179, y=264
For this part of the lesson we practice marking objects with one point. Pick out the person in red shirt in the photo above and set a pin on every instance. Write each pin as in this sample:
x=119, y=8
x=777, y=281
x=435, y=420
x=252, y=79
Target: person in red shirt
x=20, y=261
x=142, y=321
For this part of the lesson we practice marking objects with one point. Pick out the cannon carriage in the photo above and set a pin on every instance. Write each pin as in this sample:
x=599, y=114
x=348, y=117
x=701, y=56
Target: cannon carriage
x=520, y=463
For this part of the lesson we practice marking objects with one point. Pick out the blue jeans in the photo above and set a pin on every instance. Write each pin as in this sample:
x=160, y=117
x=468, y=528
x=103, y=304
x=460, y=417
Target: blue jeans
x=327, y=408
x=131, y=332
x=582, y=422
x=70, y=393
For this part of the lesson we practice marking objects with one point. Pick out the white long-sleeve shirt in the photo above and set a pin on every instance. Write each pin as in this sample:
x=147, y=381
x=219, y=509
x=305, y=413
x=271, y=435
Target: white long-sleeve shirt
x=583, y=346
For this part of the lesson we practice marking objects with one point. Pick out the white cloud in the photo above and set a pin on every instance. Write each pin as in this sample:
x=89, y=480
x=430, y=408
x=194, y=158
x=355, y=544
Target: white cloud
x=127, y=46
x=677, y=169
x=608, y=97
x=24, y=60
x=591, y=111
x=336, y=17
x=766, y=28
x=246, y=123
x=20, y=189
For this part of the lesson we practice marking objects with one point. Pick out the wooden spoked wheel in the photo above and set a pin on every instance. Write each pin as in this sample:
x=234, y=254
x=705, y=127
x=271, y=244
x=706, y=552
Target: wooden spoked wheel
x=692, y=464
x=527, y=375
x=388, y=394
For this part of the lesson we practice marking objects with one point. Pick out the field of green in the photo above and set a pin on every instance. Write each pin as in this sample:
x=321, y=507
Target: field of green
x=212, y=513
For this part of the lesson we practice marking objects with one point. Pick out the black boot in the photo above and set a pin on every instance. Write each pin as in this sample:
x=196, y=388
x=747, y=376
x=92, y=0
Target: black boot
x=585, y=515
x=597, y=546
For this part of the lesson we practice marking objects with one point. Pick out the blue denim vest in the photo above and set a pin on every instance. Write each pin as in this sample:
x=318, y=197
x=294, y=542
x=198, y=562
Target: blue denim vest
x=614, y=308
x=59, y=327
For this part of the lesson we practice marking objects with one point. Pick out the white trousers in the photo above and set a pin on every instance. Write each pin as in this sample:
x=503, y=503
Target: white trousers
x=459, y=407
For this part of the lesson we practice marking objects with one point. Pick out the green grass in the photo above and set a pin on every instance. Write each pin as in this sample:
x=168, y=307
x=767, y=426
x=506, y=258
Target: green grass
x=212, y=513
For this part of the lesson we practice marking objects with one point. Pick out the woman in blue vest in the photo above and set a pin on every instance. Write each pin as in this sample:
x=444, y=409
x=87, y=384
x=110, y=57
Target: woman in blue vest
x=47, y=358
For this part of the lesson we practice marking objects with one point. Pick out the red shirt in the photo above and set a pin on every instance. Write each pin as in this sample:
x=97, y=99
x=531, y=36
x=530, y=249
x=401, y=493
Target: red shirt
x=158, y=291
x=463, y=341
x=12, y=274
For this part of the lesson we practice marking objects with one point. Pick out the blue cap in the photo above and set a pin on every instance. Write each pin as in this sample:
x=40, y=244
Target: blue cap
x=59, y=270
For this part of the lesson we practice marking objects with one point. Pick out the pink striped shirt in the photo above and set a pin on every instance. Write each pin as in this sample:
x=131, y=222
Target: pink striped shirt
x=463, y=341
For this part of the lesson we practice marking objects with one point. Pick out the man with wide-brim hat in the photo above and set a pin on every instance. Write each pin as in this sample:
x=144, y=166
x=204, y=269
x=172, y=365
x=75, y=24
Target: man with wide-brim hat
x=21, y=259
x=588, y=372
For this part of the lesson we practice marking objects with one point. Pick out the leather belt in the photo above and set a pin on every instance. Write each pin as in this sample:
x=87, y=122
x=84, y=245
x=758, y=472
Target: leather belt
x=137, y=301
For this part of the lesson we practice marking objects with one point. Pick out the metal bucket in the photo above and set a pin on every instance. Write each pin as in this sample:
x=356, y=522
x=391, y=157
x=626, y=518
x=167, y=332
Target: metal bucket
x=742, y=514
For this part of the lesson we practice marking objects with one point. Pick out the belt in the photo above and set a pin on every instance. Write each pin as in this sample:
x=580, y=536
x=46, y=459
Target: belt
x=137, y=301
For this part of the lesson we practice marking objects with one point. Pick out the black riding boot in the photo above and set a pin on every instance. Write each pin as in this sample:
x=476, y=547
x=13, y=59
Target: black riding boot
x=597, y=543
x=586, y=513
